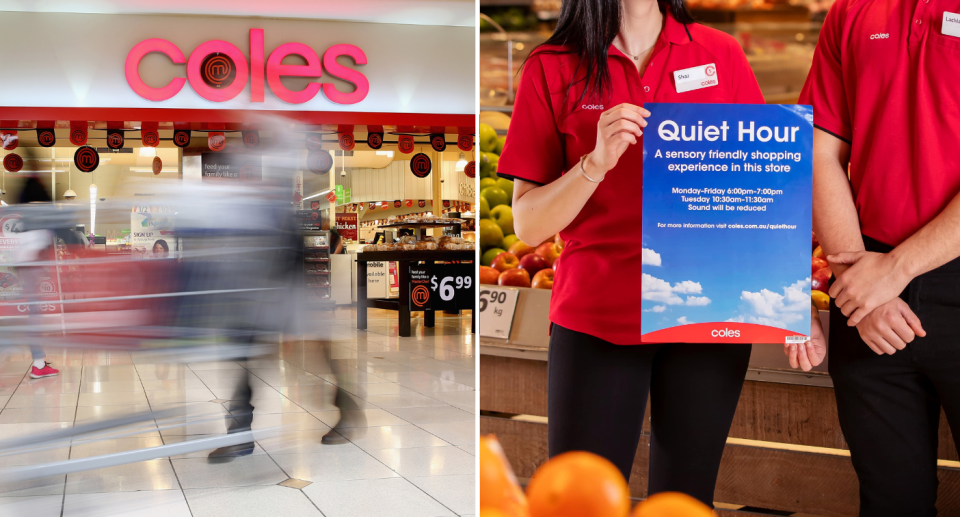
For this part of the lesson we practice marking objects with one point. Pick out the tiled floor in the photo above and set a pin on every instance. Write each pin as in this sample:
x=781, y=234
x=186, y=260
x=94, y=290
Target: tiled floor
x=411, y=453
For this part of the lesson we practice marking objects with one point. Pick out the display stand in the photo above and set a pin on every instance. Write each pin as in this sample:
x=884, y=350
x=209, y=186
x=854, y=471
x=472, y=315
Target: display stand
x=316, y=268
x=404, y=260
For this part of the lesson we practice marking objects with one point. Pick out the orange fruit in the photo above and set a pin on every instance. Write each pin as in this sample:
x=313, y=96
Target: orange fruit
x=672, y=504
x=578, y=484
x=821, y=300
x=492, y=512
x=499, y=489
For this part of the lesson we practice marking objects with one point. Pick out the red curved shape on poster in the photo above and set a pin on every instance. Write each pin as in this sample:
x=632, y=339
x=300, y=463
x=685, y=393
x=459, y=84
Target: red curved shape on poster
x=718, y=332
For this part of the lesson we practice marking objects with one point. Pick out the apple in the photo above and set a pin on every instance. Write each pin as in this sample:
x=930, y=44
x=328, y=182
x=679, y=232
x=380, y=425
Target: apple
x=818, y=263
x=549, y=251
x=505, y=261
x=820, y=280
x=521, y=248
x=484, y=209
x=501, y=141
x=491, y=236
x=560, y=242
x=503, y=216
x=533, y=263
x=543, y=279
x=487, y=182
x=510, y=240
x=818, y=252
x=487, y=138
x=515, y=277
x=816, y=242
x=820, y=299
x=488, y=275
x=495, y=196
x=507, y=186
x=490, y=254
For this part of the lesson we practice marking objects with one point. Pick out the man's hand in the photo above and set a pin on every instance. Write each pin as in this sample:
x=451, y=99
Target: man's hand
x=812, y=352
x=872, y=280
x=890, y=327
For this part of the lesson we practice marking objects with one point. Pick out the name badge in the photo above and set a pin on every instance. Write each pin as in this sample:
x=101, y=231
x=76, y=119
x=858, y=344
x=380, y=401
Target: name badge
x=951, y=24
x=695, y=78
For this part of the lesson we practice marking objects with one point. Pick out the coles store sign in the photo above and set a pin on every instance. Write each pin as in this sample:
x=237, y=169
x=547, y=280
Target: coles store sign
x=218, y=71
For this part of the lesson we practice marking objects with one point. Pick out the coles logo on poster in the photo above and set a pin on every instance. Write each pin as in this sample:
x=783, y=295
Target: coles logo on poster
x=218, y=71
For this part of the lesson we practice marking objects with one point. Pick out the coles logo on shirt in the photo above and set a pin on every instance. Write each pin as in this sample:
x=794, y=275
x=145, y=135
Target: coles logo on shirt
x=592, y=106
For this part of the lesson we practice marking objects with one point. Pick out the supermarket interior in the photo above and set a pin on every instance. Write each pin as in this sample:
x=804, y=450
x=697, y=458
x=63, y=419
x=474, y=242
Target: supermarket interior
x=238, y=253
x=785, y=451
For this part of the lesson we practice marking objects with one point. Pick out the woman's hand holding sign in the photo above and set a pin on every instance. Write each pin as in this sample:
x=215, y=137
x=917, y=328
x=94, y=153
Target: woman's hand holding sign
x=618, y=128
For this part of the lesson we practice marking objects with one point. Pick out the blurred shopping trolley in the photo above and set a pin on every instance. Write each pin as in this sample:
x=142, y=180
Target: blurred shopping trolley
x=220, y=289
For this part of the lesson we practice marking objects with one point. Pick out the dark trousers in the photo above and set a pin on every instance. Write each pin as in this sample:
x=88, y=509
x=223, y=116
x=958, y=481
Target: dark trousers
x=598, y=393
x=889, y=405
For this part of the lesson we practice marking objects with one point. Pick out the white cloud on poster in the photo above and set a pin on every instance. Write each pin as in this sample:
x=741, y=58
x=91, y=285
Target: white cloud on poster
x=773, y=309
x=650, y=258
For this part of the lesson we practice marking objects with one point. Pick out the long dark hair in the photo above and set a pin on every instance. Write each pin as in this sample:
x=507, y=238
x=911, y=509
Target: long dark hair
x=587, y=28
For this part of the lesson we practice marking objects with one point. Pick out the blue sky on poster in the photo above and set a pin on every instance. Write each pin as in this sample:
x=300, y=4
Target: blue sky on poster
x=693, y=275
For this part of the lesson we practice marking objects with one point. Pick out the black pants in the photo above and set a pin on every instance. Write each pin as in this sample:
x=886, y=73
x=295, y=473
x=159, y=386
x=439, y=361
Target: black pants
x=598, y=393
x=889, y=405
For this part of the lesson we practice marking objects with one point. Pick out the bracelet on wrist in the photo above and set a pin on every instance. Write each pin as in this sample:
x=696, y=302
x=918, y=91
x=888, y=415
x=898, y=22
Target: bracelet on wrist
x=584, y=173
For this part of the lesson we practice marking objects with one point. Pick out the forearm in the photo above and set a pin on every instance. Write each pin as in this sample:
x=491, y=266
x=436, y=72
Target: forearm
x=835, y=220
x=937, y=243
x=540, y=212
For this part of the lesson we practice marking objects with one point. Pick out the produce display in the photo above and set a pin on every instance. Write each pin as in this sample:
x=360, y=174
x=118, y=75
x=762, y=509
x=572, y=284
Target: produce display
x=819, y=278
x=573, y=484
x=504, y=258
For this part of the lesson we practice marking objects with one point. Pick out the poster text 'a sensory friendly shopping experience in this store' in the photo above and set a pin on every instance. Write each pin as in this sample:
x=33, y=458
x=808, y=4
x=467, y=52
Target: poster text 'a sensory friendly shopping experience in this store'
x=727, y=210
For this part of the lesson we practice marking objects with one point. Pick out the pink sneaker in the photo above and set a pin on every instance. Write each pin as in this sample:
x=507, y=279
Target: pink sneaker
x=46, y=371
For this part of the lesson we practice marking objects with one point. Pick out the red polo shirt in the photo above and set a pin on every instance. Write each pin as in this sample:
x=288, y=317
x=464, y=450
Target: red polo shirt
x=597, y=285
x=886, y=79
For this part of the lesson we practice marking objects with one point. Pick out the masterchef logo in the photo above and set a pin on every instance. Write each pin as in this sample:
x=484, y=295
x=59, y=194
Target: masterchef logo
x=150, y=138
x=78, y=137
x=46, y=137
x=114, y=139
x=438, y=143
x=465, y=142
x=216, y=141
x=405, y=144
x=157, y=165
x=470, y=169
x=420, y=165
x=181, y=138
x=12, y=162
x=218, y=71
x=251, y=138
x=249, y=172
x=375, y=140
x=319, y=162
x=10, y=139
x=86, y=159
x=346, y=141
x=420, y=295
x=314, y=141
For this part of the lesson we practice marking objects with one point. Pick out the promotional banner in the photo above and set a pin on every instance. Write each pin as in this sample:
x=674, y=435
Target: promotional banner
x=442, y=287
x=235, y=166
x=151, y=232
x=347, y=225
x=727, y=193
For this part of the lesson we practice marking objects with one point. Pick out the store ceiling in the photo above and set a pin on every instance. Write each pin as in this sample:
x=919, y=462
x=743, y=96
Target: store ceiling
x=459, y=13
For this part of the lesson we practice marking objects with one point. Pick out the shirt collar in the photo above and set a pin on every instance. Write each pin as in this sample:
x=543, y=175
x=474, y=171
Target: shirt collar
x=673, y=32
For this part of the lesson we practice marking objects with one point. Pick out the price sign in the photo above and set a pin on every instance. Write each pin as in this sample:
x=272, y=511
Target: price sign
x=497, y=306
x=442, y=287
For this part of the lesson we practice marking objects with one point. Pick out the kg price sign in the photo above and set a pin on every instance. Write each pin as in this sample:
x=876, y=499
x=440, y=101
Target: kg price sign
x=497, y=306
x=441, y=287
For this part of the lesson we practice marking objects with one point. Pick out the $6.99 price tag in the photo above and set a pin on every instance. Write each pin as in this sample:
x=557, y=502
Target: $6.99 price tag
x=446, y=285
x=497, y=306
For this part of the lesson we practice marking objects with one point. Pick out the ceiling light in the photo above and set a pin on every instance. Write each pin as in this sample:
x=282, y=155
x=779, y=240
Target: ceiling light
x=149, y=152
x=385, y=153
x=316, y=195
x=461, y=163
